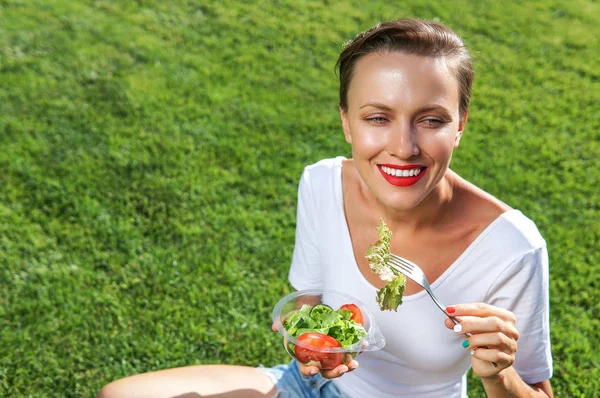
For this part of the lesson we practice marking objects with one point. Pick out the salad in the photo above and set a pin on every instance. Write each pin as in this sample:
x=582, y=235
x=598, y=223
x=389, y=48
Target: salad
x=389, y=297
x=322, y=327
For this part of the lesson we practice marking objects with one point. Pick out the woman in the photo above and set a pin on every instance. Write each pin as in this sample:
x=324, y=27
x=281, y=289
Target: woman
x=405, y=88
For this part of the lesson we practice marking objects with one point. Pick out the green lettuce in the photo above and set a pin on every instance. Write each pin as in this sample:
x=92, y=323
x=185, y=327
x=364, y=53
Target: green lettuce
x=299, y=320
x=334, y=323
x=389, y=297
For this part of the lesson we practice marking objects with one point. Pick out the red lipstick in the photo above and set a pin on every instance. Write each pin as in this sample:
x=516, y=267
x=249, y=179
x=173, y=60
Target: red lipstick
x=402, y=181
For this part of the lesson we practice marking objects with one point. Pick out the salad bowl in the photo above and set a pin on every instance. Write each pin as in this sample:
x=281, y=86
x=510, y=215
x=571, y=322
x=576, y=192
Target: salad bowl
x=325, y=328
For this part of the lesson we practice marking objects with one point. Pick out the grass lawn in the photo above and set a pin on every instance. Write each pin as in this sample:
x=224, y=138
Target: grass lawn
x=150, y=154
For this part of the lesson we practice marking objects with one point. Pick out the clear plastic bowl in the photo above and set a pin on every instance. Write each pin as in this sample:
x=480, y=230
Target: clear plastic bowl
x=373, y=341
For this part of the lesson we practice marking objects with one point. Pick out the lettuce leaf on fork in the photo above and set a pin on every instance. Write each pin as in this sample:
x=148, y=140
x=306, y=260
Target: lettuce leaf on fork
x=389, y=297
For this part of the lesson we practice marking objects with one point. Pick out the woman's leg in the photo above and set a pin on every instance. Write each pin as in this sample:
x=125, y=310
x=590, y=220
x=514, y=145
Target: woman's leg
x=217, y=381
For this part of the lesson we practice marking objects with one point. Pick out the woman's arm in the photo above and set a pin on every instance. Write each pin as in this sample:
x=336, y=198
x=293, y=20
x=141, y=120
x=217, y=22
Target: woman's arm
x=508, y=383
x=493, y=345
x=518, y=298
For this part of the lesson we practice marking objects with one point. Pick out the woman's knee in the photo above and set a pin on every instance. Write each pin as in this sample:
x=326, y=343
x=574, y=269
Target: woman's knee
x=219, y=380
x=112, y=390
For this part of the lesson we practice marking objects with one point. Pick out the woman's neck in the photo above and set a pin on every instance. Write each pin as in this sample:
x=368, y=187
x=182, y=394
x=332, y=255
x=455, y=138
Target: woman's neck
x=433, y=210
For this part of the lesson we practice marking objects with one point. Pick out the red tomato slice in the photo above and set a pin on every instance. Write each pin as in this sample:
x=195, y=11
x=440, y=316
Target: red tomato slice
x=356, y=313
x=324, y=360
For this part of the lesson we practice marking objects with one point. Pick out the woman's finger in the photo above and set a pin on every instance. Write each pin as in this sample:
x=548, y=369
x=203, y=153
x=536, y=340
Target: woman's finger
x=475, y=325
x=500, y=358
x=352, y=365
x=494, y=340
x=340, y=370
x=329, y=373
x=481, y=310
x=308, y=370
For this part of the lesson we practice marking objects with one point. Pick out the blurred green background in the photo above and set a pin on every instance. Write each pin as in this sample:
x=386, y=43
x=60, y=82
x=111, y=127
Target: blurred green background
x=150, y=154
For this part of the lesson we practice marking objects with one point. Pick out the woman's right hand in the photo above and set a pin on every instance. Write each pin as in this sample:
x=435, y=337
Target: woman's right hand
x=338, y=371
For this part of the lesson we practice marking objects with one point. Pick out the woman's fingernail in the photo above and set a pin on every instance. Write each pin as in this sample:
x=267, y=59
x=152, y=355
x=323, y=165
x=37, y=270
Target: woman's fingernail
x=472, y=352
x=458, y=328
x=313, y=372
x=465, y=343
x=450, y=310
x=341, y=372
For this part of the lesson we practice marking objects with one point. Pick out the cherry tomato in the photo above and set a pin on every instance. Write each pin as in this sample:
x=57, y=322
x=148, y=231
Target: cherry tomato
x=323, y=360
x=356, y=313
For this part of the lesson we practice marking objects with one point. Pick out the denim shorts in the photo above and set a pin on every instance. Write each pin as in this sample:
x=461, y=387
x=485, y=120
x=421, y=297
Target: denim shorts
x=290, y=383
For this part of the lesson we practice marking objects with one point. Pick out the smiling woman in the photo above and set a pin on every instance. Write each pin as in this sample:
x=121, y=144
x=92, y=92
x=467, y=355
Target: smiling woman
x=405, y=90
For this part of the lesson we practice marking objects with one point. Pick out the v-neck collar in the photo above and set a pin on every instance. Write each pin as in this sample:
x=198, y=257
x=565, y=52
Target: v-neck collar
x=339, y=194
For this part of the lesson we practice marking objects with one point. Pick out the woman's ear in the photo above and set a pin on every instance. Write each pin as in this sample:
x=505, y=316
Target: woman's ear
x=461, y=127
x=345, y=125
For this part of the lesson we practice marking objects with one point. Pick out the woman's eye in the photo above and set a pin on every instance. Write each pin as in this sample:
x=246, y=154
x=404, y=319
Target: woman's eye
x=377, y=119
x=432, y=122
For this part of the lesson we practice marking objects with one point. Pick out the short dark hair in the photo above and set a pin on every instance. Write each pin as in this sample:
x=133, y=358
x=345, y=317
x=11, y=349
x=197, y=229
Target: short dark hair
x=410, y=36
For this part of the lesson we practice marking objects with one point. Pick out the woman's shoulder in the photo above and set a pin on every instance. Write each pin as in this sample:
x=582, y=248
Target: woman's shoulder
x=474, y=204
x=323, y=171
x=324, y=165
x=478, y=199
x=506, y=224
x=519, y=230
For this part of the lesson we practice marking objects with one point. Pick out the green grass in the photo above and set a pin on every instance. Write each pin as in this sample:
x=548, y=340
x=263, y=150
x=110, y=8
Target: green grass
x=150, y=158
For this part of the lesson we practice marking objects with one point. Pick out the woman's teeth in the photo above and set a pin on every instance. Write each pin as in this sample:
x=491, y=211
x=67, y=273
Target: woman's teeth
x=401, y=173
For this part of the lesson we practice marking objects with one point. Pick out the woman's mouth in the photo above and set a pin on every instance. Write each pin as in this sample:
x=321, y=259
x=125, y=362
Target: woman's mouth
x=402, y=176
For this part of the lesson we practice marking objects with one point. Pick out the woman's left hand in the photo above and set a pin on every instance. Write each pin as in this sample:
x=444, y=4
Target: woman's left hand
x=494, y=336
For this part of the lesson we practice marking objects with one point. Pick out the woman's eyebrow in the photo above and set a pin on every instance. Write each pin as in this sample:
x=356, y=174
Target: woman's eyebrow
x=377, y=105
x=437, y=108
x=427, y=108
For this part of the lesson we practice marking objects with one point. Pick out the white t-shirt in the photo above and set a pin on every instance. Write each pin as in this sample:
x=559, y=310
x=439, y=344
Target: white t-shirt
x=506, y=266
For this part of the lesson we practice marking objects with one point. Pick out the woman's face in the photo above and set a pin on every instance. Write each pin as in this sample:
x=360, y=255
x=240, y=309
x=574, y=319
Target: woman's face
x=403, y=124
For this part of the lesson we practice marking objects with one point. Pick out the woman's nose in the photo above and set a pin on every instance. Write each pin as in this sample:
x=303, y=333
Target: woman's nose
x=403, y=141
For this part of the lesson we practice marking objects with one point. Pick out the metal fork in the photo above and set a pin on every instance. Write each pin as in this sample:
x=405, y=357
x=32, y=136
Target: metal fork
x=414, y=273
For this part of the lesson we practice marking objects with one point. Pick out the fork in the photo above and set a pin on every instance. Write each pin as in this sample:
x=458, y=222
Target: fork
x=414, y=273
